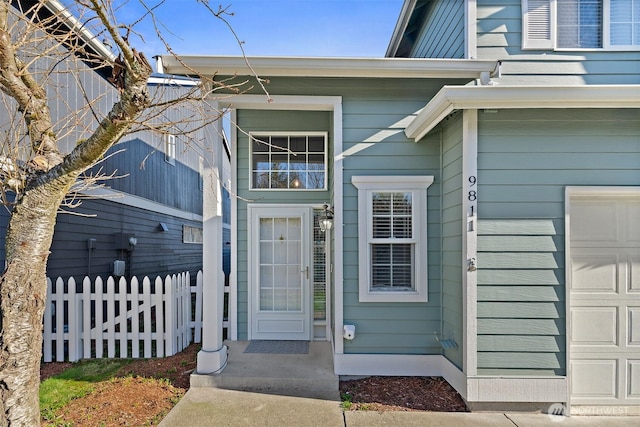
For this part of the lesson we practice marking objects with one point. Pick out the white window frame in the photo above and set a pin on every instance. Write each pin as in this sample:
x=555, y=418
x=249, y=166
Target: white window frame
x=539, y=28
x=417, y=186
x=170, y=149
x=325, y=135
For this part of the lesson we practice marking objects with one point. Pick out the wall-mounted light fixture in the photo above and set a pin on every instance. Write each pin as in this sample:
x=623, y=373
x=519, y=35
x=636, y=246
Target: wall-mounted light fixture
x=326, y=221
x=163, y=227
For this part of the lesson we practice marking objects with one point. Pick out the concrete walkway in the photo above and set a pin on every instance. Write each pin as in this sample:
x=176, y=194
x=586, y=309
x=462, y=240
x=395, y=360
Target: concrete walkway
x=282, y=390
x=218, y=407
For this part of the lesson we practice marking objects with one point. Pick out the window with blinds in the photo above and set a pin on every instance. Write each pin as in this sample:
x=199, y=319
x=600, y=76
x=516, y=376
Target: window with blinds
x=392, y=238
x=392, y=243
x=581, y=24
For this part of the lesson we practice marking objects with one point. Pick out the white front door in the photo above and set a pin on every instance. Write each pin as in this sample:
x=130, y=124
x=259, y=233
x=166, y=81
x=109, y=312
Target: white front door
x=279, y=257
x=604, y=334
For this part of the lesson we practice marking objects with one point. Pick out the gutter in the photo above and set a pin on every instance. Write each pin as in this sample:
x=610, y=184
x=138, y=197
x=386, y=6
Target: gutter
x=265, y=66
x=452, y=98
x=59, y=10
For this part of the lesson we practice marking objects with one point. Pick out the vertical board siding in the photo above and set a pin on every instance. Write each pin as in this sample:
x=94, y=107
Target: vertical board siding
x=452, y=237
x=499, y=37
x=442, y=34
x=526, y=159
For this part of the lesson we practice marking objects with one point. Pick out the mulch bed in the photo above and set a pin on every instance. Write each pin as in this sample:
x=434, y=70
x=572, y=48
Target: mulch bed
x=402, y=394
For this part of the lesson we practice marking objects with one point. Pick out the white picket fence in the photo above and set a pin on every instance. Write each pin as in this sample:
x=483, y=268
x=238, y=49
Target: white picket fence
x=120, y=319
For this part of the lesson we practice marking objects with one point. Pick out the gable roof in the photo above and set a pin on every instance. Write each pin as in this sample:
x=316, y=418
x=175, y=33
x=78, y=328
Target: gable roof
x=66, y=22
x=407, y=28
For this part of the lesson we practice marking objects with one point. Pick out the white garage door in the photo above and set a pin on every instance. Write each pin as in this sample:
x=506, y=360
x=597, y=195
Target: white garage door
x=604, y=331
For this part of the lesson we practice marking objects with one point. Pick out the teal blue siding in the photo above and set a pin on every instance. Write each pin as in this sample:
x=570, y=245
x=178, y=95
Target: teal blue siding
x=372, y=114
x=442, y=34
x=268, y=121
x=499, y=37
x=392, y=328
x=525, y=161
x=452, y=179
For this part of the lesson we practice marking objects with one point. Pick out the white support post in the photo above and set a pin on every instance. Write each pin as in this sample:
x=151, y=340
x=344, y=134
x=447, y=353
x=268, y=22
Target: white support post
x=469, y=241
x=213, y=356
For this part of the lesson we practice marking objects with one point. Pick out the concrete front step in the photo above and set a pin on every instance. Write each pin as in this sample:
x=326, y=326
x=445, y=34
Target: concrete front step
x=304, y=375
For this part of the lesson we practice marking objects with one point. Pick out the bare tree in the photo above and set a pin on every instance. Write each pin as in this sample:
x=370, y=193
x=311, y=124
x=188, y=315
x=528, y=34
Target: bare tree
x=45, y=154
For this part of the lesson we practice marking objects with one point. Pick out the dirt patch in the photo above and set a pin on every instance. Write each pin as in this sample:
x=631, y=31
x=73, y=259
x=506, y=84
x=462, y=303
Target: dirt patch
x=141, y=393
x=401, y=394
x=130, y=401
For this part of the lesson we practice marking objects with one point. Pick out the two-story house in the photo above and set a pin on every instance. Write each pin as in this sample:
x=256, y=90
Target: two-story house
x=147, y=219
x=466, y=207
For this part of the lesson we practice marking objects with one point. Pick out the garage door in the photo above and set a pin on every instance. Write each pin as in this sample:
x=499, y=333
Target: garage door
x=604, y=296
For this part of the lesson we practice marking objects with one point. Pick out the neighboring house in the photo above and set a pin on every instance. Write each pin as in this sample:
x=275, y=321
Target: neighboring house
x=148, y=220
x=484, y=193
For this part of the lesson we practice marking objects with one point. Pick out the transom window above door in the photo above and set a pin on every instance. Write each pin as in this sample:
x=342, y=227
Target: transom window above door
x=289, y=161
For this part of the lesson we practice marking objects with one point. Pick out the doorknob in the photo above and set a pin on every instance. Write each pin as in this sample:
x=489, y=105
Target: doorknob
x=306, y=272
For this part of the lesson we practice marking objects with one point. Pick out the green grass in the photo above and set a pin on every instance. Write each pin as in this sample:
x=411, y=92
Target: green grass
x=75, y=382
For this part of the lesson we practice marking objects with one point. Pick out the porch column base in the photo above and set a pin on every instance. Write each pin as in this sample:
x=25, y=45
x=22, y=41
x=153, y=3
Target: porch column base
x=211, y=362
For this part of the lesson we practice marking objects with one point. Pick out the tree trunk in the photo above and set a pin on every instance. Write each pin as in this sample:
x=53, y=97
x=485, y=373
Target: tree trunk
x=23, y=292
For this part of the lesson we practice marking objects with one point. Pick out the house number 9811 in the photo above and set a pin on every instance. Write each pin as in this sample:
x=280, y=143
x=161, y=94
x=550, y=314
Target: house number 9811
x=472, y=195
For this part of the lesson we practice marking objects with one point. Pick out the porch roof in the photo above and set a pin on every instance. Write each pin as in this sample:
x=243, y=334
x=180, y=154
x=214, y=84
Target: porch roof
x=451, y=98
x=272, y=66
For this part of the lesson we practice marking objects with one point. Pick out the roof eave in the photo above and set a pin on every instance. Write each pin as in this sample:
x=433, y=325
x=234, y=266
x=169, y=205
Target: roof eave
x=327, y=67
x=401, y=25
x=452, y=98
x=83, y=32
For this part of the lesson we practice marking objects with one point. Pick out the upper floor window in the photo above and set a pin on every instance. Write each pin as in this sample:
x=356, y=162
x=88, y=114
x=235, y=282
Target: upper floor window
x=170, y=149
x=289, y=161
x=581, y=24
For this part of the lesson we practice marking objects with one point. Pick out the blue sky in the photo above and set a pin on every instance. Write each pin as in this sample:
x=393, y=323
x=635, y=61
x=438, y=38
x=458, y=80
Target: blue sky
x=343, y=28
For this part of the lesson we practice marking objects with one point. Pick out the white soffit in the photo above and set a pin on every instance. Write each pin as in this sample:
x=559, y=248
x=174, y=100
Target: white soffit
x=327, y=67
x=451, y=98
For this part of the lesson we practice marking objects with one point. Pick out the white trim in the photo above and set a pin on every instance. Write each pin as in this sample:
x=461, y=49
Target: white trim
x=338, y=232
x=417, y=185
x=126, y=199
x=517, y=389
x=291, y=102
x=580, y=191
x=233, y=280
x=471, y=29
x=469, y=241
x=325, y=135
x=389, y=364
x=451, y=98
x=279, y=102
x=327, y=67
